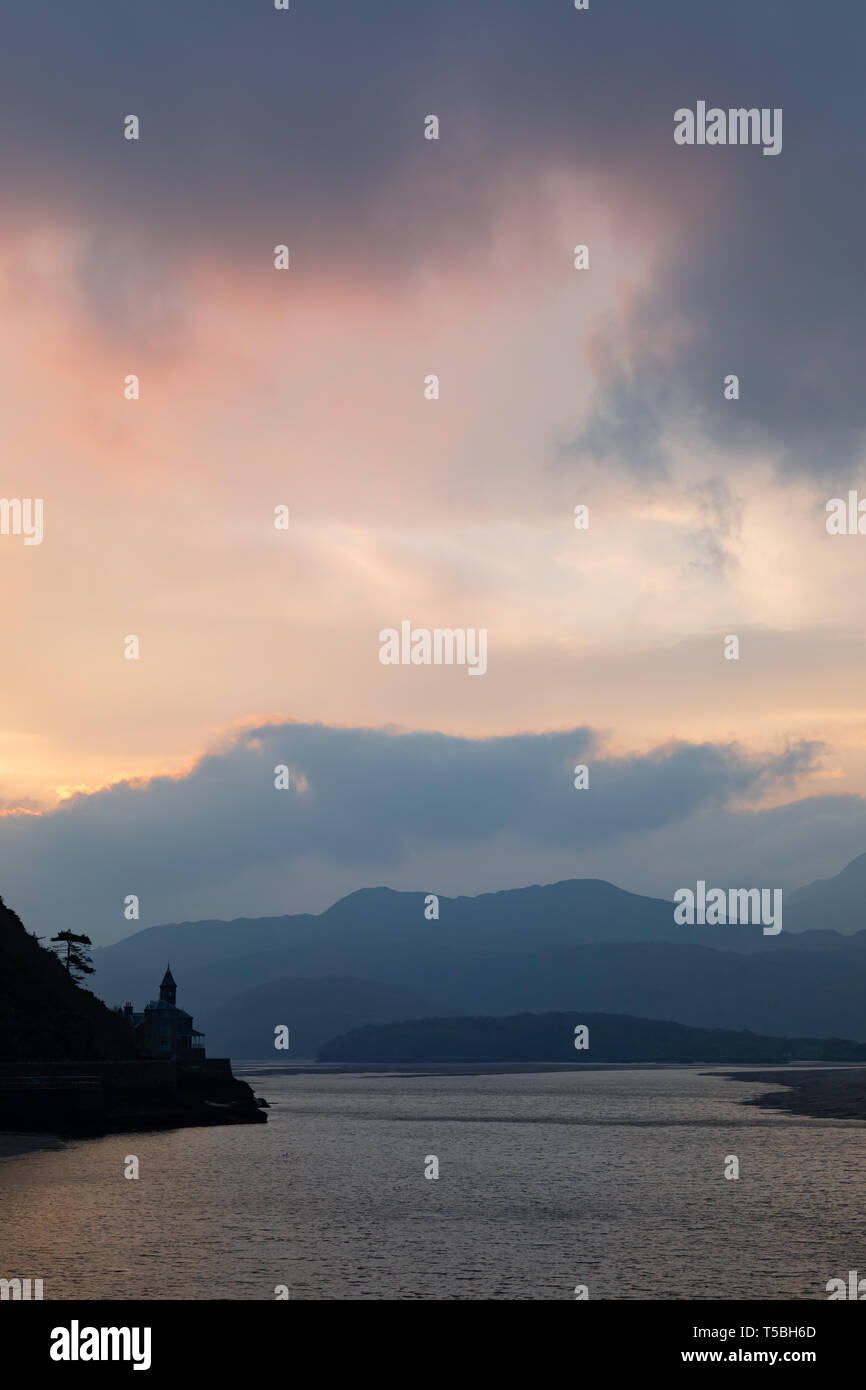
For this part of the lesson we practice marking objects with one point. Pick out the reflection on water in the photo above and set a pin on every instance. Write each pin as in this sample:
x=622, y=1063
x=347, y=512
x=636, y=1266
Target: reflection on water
x=612, y=1179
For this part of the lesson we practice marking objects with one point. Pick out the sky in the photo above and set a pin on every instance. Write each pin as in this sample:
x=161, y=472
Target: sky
x=305, y=388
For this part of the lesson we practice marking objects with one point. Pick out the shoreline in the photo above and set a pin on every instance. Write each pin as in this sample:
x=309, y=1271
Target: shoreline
x=817, y=1090
x=20, y=1135
x=821, y=1093
x=95, y=1098
x=15, y=1142
x=310, y=1067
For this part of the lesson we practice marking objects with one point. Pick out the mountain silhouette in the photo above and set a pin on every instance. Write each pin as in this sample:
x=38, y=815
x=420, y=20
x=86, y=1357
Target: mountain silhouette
x=534, y=948
x=313, y=1011
x=837, y=904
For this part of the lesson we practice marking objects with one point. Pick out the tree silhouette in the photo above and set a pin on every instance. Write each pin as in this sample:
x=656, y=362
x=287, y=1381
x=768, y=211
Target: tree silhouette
x=77, y=955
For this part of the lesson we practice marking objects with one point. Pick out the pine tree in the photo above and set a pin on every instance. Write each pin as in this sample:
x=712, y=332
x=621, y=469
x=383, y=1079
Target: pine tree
x=78, y=963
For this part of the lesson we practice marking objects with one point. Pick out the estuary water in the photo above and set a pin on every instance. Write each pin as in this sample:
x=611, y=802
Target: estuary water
x=612, y=1179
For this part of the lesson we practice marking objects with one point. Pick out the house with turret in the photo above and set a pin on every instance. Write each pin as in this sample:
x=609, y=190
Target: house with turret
x=163, y=1030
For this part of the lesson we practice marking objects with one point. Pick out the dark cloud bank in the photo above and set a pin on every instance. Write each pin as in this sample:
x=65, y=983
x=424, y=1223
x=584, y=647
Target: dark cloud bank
x=305, y=127
x=373, y=805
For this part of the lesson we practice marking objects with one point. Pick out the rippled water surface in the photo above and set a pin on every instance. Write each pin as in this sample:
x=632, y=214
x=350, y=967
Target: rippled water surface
x=613, y=1179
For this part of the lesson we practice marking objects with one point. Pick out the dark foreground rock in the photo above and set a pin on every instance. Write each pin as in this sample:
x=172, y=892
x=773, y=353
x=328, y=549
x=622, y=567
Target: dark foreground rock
x=109, y=1097
x=834, y=1094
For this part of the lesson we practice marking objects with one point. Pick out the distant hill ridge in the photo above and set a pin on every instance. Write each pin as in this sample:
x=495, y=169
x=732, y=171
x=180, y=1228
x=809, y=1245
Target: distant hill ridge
x=550, y=1038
